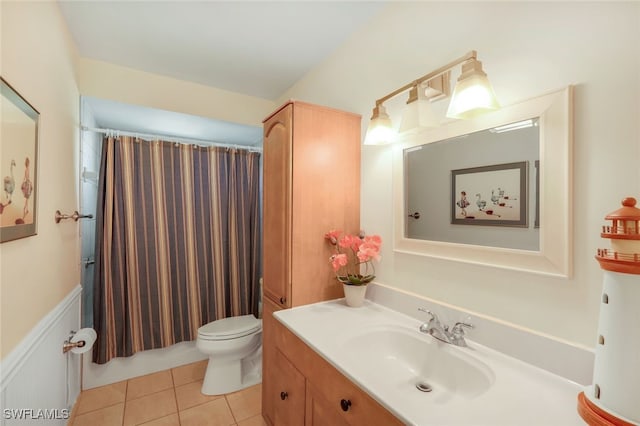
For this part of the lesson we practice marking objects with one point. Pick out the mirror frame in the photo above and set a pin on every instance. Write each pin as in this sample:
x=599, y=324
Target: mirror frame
x=554, y=257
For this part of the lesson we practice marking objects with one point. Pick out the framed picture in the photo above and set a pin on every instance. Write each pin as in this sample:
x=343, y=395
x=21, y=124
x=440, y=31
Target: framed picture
x=490, y=195
x=18, y=165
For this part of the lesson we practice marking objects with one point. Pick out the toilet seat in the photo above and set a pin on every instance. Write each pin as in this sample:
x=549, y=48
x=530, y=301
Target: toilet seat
x=230, y=328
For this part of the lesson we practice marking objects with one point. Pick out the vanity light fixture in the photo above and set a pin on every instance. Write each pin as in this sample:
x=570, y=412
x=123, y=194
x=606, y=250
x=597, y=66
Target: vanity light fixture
x=380, y=131
x=472, y=95
x=418, y=113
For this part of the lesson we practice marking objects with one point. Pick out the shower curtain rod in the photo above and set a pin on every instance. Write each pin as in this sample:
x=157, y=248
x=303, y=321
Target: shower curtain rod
x=168, y=138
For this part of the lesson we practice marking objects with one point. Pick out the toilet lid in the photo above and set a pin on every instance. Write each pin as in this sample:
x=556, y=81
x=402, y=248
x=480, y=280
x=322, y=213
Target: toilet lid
x=230, y=327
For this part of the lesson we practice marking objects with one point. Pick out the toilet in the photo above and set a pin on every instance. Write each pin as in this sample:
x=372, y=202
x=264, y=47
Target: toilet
x=234, y=347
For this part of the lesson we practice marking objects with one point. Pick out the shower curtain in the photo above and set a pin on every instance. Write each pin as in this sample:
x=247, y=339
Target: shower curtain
x=177, y=242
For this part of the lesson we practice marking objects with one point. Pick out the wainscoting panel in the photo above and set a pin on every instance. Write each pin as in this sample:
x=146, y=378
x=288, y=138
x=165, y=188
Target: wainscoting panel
x=39, y=384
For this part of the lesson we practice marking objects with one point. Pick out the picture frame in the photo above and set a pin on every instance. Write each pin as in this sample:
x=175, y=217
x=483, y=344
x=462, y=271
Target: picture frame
x=18, y=165
x=494, y=195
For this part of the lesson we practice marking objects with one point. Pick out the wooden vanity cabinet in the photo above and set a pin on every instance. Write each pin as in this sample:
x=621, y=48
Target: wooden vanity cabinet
x=329, y=398
x=311, y=185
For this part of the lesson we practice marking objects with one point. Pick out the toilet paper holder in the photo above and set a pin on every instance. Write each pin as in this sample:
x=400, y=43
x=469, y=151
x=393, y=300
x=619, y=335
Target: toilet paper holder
x=68, y=344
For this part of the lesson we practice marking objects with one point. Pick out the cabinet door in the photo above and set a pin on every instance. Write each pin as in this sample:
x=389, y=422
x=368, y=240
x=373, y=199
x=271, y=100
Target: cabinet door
x=277, y=207
x=326, y=196
x=270, y=382
x=290, y=398
x=319, y=411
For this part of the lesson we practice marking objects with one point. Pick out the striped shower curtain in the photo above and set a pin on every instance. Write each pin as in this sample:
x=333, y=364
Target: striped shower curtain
x=177, y=242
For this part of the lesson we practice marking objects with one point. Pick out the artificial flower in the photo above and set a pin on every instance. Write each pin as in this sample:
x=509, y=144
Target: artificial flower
x=352, y=261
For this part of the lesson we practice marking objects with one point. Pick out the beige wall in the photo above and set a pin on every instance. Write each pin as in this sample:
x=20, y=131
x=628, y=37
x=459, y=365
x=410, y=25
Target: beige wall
x=38, y=272
x=527, y=49
x=113, y=82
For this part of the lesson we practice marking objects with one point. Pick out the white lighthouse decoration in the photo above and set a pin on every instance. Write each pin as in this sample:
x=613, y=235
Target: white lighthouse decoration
x=614, y=396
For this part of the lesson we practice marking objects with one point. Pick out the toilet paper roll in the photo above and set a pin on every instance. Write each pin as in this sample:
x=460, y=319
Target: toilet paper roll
x=86, y=335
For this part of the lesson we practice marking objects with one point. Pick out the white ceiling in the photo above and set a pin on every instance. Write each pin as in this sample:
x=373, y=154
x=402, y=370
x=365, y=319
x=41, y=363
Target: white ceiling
x=258, y=48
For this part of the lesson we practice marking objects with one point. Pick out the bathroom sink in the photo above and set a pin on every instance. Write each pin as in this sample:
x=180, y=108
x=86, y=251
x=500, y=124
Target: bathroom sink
x=405, y=360
x=385, y=354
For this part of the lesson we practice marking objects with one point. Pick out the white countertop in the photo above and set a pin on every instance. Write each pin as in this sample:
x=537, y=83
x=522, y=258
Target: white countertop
x=519, y=395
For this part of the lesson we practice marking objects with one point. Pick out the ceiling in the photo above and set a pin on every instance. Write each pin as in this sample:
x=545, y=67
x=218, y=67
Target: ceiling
x=257, y=48
x=171, y=125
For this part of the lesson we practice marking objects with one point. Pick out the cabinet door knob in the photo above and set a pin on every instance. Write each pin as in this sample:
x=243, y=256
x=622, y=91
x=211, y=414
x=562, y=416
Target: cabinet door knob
x=345, y=404
x=284, y=395
x=282, y=300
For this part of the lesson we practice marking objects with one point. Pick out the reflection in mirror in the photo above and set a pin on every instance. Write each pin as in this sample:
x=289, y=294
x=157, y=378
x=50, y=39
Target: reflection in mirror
x=546, y=249
x=479, y=188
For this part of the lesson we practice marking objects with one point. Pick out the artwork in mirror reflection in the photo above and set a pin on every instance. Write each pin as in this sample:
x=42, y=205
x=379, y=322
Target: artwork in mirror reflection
x=487, y=179
x=507, y=203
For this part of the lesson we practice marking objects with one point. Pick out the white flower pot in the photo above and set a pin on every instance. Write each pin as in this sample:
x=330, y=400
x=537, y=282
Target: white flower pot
x=354, y=294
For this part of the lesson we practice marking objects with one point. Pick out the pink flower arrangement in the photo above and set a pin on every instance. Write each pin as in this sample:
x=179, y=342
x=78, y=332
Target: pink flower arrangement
x=352, y=261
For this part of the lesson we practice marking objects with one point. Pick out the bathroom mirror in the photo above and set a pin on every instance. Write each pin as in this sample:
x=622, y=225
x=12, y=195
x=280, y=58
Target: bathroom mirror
x=479, y=188
x=525, y=223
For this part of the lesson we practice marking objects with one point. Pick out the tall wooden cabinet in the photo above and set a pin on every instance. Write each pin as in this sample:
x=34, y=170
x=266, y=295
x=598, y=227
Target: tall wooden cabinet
x=311, y=185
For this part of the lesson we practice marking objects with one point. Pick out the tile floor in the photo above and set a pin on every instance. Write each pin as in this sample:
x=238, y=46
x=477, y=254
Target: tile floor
x=167, y=398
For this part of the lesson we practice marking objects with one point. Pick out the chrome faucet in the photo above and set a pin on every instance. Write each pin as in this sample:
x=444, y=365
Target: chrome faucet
x=457, y=334
x=435, y=328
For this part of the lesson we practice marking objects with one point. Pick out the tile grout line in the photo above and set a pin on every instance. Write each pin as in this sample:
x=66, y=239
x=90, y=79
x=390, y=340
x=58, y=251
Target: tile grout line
x=98, y=409
x=126, y=392
x=235, y=421
x=175, y=396
x=161, y=417
x=75, y=408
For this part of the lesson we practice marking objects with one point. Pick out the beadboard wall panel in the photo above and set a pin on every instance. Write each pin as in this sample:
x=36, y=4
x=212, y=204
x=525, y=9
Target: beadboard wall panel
x=38, y=381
